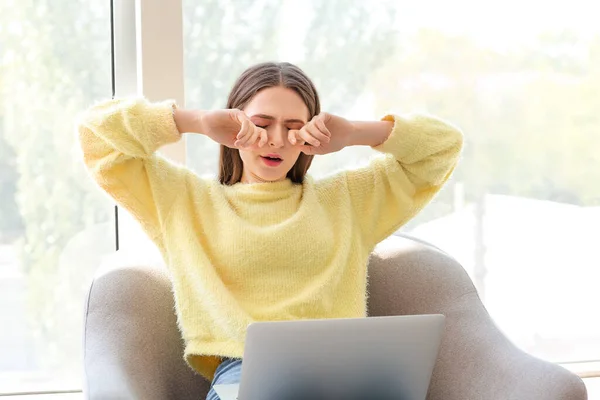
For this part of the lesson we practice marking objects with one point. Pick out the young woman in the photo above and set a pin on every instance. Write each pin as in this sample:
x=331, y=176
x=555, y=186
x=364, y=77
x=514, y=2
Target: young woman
x=265, y=241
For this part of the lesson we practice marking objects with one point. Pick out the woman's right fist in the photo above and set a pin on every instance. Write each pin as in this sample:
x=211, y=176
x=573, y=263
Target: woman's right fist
x=232, y=128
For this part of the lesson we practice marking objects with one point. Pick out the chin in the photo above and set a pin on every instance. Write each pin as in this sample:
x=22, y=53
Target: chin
x=271, y=175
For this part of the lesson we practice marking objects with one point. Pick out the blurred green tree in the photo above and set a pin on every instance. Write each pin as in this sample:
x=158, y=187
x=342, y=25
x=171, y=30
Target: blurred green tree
x=530, y=115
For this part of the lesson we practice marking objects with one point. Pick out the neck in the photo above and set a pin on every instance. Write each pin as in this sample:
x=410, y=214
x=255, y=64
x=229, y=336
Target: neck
x=251, y=177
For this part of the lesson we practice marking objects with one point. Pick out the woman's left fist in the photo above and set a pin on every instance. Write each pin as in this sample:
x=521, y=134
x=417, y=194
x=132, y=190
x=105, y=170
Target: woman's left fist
x=325, y=133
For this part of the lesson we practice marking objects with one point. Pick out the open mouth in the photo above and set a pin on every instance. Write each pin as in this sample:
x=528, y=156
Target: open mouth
x=271, y=160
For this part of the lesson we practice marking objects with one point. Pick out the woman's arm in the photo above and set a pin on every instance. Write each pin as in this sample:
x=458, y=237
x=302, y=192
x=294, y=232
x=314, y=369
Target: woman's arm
x=188, y=120
x=119, y=139
x=419, y=154
x=230, y=127
x=328, y=133
x=369, y=133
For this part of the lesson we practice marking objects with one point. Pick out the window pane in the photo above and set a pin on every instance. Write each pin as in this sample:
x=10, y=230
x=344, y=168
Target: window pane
x=522, y=211
x=55, y=225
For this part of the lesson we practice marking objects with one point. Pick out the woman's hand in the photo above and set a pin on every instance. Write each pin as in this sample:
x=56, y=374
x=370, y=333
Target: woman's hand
x=232, y=128
x=325, y=133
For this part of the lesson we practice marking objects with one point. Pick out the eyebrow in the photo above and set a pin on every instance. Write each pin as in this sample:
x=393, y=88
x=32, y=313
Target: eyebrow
x=265, y=116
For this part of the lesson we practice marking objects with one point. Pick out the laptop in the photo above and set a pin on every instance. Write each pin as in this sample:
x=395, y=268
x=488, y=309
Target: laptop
x=356, y=359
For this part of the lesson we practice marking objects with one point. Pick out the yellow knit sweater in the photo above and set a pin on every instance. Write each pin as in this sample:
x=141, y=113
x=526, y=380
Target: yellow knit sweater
x=261, y=251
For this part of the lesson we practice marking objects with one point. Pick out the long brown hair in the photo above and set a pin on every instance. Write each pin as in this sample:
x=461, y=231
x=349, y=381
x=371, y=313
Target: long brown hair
x=250, y=82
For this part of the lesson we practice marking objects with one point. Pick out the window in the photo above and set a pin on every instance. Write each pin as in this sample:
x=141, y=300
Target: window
x=522, y=211
x=55, y=225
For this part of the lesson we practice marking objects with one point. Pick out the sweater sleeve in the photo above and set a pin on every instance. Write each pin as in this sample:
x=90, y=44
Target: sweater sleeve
x=119, y=139
x=419, y=156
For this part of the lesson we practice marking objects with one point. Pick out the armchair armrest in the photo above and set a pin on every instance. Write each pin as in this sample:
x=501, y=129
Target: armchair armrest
x=132, y=346
x=476, y=360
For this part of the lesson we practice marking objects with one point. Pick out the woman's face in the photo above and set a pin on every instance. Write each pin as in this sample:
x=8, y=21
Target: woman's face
x=277, y=110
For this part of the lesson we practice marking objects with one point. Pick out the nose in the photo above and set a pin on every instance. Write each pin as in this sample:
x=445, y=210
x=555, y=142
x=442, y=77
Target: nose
x=276, y=137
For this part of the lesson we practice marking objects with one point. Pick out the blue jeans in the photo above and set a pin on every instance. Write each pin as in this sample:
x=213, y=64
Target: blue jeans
x=229, y=371
x=379, y=388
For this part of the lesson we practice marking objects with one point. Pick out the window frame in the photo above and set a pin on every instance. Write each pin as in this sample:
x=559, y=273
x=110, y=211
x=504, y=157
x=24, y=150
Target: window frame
x=147, y=41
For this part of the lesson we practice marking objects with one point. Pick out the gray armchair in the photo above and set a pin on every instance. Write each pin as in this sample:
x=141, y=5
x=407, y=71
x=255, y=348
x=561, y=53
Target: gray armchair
x=133, y=349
